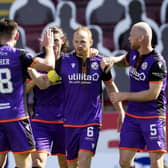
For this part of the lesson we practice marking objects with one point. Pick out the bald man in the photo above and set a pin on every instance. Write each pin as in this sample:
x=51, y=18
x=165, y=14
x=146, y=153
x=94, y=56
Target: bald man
x=144, y=124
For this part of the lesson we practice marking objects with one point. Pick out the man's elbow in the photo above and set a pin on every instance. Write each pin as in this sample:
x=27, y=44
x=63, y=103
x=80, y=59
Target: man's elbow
x=50, y=66
x=154, y=96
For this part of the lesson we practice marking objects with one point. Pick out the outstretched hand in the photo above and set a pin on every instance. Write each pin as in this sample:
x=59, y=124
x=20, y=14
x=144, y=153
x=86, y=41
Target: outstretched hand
x=106, y=64
x=48, y=39
x=94, y=52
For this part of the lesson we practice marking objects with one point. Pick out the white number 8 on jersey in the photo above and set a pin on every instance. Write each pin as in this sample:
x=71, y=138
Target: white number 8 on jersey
x=5, y=81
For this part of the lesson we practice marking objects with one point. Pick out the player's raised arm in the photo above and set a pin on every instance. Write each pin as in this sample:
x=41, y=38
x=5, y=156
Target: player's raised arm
x=48, y=62
x=108, y=62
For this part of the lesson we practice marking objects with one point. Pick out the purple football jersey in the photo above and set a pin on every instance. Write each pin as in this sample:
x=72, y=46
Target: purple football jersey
x=152, y=68
x=49, y=103
x=83, y=86
x=13, y=71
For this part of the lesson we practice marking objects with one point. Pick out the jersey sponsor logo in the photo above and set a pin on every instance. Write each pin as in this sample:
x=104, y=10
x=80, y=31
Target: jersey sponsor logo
x=144, y=65
x=82, y=77
x=136, y=75
x=157, y=74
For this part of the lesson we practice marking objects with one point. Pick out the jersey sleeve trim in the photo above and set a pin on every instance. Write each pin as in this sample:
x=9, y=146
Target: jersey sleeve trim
x=48, y=122
x=132, y=149
x=126, y=61
x=32, y=150
x=15, y=119
x=81, y=126
x=156, y=81
x=144, y=117
x=34, y=62
x=28, y=79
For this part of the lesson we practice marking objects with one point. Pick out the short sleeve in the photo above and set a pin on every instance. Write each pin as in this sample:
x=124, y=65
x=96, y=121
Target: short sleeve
x=26, y=58
x=158, y=71
x=106, y=77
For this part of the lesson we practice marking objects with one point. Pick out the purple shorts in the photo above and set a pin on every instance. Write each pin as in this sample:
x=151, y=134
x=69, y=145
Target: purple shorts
x=16, y=137
x=49, y=137
x=81, y=139
x=140, y=134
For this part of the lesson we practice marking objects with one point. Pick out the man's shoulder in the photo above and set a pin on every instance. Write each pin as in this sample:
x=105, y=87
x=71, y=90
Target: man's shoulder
x=97, y=57
x=68, y=56
x=132, y=52
x=8, y=48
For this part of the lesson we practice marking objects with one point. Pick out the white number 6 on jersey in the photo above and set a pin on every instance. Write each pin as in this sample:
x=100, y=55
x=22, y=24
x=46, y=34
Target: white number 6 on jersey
x=90, y=132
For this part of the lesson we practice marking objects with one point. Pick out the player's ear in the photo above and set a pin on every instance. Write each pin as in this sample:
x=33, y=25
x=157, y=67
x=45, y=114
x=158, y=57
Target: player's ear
x=91, y=42
x=17, y=36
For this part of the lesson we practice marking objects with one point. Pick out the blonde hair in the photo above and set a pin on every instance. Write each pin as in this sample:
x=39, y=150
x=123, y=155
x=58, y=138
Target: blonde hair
x=86, y=29
x=144, y=29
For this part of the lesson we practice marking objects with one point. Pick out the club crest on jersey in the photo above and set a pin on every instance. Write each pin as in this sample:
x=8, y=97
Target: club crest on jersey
x=95, y=65
x=144, y=65
x=73, y=65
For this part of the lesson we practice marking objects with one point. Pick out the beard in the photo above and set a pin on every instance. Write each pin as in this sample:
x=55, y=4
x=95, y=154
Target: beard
x=135, y=46
x=81, y=51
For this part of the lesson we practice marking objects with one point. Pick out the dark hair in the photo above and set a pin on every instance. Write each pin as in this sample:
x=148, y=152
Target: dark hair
x=7, y=28
x=58, y=30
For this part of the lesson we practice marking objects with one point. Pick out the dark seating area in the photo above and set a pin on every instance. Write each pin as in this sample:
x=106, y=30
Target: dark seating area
x=104, y=13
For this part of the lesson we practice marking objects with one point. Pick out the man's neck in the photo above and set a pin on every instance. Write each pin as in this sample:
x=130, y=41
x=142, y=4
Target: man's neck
x=84, y=56
x=10, y=43
x=144, y=51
